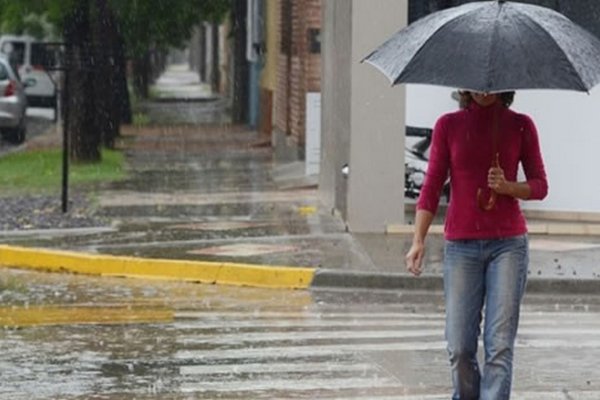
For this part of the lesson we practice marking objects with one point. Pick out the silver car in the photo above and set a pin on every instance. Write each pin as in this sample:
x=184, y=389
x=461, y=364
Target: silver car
x=13, y=103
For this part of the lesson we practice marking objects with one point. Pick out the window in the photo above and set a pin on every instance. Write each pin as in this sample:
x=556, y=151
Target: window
x=17, y=57
x=3, y=73
x=39, y=55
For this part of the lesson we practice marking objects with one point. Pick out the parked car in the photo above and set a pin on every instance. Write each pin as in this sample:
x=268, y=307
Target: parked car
x=416, y=156
x=28, y=56
x=13, y=103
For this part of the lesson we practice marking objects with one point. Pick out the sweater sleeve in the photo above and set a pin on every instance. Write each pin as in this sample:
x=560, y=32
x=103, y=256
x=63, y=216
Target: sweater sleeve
x=533, y=164
x=437, y=168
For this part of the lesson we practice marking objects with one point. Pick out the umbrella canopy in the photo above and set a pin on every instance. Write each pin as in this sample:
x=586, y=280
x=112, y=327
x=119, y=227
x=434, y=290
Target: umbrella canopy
x=492, y=46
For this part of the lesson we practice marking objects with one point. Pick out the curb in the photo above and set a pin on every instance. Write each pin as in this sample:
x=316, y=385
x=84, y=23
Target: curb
x=558, y=229
x=192, y=271
x=235, y=274
x=387, y=281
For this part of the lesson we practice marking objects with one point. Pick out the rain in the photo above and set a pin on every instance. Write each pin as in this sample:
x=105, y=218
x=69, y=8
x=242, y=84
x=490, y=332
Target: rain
x=215, y=200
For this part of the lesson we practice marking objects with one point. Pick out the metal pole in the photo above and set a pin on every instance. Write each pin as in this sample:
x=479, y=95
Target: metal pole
x=65, y=160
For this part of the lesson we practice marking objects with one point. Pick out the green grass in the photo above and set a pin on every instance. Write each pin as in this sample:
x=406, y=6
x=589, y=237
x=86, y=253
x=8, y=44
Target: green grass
x=42, y=171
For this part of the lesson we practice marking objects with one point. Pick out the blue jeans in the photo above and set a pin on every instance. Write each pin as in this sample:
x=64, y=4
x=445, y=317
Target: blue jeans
x=478, y=272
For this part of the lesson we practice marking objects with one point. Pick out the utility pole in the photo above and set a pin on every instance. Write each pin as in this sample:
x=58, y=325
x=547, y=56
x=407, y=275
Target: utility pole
x=240, y=68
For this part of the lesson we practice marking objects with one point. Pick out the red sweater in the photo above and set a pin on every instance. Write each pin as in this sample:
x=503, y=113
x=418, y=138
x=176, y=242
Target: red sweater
x=462, y=146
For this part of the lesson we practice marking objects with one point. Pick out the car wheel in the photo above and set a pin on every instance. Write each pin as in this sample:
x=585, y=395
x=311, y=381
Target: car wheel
x=17, y=135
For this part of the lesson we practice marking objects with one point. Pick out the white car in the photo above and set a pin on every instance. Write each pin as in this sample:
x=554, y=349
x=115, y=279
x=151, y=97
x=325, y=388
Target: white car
x=28, y=56
x=13, y=103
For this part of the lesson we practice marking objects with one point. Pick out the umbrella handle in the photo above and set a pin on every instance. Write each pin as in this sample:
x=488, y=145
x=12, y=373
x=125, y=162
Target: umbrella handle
x=491, y=201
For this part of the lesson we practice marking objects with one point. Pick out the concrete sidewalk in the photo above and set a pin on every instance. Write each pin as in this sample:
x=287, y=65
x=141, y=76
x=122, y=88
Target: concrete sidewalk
x=203, y=204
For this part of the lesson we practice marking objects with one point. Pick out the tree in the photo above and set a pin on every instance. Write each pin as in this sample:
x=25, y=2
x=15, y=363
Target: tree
x=151, y=27
x=81, y=67
x=99, y=34
x=71, y=21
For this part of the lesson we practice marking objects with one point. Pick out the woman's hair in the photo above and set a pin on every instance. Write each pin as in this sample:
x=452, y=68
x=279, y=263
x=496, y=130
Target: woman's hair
x=465, y=98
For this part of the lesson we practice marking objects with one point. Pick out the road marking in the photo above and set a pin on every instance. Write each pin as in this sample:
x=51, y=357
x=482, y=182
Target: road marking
x=259, y=337
x=275, y=368
x=516, y=395
x=236, y=324
x=320, y=314
x=288, y=384
x=340, y=349
x=35, y=316
x=304, y=314
x=313, y=335
x=223, y=323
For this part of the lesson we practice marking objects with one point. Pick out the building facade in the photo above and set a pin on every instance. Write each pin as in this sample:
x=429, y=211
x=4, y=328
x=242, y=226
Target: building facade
x=298, y=71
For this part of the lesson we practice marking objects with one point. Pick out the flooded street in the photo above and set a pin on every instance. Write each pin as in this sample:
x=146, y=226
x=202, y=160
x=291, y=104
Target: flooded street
x=74, y=337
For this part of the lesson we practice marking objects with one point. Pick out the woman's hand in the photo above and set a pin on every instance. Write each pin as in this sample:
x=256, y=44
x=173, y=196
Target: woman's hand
x=497, y=182
x=414, y=258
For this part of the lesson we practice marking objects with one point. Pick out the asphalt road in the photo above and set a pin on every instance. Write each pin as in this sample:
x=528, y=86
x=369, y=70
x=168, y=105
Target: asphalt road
x=77, y=337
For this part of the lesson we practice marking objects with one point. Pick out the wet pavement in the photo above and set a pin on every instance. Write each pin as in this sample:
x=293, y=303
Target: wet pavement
x=209, y=192
x=201, y=188
x=75, y=337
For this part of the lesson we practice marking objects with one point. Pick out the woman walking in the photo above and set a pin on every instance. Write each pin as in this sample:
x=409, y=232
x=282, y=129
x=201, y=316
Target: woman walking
x=486, y=245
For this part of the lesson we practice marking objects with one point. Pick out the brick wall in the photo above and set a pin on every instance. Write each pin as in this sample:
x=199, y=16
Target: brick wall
x=298, y=70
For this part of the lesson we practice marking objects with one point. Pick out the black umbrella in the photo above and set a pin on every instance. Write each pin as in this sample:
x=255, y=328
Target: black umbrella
x=492, y=46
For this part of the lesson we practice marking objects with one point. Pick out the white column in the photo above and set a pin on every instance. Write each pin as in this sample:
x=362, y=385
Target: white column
x=376, y=179
x=363, y=120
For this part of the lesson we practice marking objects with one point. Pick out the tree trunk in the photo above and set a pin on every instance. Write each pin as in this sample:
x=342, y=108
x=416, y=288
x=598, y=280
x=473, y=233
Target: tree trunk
x=159, y=63
x=121, y=92
x=202, y=50
x=83, y=134
x=107, y=115
x=216, y=73
x=141, y=75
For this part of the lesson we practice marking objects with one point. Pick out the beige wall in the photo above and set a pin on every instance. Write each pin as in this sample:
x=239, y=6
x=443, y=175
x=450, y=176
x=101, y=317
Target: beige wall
x=269, y=74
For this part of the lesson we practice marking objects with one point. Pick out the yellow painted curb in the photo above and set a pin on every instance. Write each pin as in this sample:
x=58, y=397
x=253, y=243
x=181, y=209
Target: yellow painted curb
x=195, y=271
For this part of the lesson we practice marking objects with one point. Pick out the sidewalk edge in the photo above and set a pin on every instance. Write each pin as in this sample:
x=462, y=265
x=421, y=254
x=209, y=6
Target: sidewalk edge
x=551, y=229
x=194, y=271
x=397, y=281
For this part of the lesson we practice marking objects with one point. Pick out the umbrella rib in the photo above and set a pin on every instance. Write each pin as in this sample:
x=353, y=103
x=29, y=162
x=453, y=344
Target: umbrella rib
x=495, y=33
x=390, y=77
x=431, y=36
x=582, y=84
